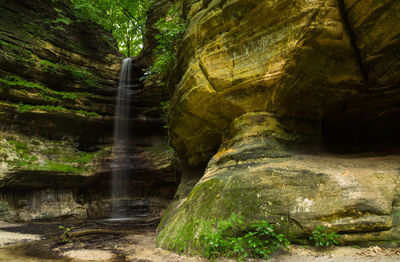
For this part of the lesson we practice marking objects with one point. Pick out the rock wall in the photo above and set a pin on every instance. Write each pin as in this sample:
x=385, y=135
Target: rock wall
x=265, y=94
x=58, y=79
x=58, y=74
x=315, y=61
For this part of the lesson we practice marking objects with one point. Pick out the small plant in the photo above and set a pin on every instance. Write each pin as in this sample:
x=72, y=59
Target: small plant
x=233, y=238
x=321, y=238
x=66, y=235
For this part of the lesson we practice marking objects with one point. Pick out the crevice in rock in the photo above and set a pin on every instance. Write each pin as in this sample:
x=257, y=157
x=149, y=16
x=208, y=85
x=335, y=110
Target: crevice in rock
x=206, y=75
x=349, y=29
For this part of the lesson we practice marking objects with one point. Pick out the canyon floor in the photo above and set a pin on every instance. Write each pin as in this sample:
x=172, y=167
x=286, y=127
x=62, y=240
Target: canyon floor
x=117, y=241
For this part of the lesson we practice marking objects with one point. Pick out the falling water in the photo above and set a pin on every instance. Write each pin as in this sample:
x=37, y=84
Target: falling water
x=122, y=131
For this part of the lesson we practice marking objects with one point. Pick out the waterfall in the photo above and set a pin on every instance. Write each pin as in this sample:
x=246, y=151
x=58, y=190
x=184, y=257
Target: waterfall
x=122, y=131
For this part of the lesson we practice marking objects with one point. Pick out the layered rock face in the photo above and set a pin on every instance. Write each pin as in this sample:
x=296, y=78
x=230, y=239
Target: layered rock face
x=265, y=93
x=58, y=74
x=58, y=79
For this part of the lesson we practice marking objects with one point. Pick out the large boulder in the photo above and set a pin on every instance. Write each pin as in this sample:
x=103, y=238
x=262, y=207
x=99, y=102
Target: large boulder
x=265, y=94
x=255, y=175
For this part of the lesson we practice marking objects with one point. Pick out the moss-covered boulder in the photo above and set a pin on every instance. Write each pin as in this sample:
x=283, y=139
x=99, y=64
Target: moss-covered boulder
x=265, y=93
x=258, y=175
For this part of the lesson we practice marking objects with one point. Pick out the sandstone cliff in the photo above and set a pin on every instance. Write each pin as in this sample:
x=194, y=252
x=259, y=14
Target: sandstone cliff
x=58, y=79
x=265, y=93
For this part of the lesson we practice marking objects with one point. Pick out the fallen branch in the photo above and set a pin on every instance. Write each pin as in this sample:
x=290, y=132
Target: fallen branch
x=84, y=232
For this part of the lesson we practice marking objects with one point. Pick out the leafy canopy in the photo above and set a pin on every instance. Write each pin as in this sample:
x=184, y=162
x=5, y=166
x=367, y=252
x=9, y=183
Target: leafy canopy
x=124, y=19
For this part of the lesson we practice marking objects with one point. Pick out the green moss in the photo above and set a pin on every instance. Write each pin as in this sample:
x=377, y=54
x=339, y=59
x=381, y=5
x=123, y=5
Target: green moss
x=181, y=230
x=57, y=166
x=49, y=94
x=13, y=80
x=4, y=43
x=219, y=197
x=168, y=214
x=19, y=146
x=51, y=157
x=79, y=74
x=80, y=158
x=20, y=54
x=23, y=108
x=24, y=156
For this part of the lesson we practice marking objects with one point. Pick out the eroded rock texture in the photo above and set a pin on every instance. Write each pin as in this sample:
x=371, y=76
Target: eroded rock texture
x=275, y=88
x=58, y=79
x=313, y=60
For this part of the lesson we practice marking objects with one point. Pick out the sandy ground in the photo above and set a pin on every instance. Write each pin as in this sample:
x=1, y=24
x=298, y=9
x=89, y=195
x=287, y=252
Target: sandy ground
x=147, y=251
x=90, y=254
x=139, y=246
x=8, y=238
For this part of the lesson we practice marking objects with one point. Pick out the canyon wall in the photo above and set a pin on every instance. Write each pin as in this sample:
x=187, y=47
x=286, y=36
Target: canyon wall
x=58, y=81
x=287, y=111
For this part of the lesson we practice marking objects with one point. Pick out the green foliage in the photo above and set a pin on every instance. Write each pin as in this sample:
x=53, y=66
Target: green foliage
x=233, y=238
x=171, y=33
x=165, y=106
x=124, y=19
x=59, y=22
x=65, y=236
x=321, y=238
x=61, y=19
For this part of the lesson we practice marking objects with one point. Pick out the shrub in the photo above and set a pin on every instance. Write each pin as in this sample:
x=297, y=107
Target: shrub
x=321, y=238
x=171, y=30
x=233, y=238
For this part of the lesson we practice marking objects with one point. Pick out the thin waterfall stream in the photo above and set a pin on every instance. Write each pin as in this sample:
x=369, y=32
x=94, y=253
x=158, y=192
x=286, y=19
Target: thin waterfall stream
x=122, y=131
